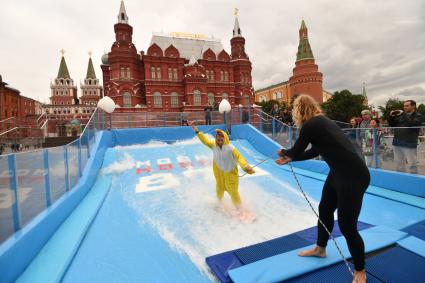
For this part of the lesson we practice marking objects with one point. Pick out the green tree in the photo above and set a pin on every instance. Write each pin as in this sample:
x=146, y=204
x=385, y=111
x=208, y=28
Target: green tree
x=268, y=105
x=343, y=105
x=390, y=105
x=421, y=110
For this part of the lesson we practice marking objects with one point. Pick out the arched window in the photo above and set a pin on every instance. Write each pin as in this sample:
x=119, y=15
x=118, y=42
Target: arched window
x=126, y=99
x=225, y=96
x=174, y=99
x=157, y=100
x=211, y=98
x=263, y=98
x=196, y=97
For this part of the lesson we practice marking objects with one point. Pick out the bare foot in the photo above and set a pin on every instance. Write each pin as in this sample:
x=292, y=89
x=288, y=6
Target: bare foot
x=316, y=251
x=359, y=276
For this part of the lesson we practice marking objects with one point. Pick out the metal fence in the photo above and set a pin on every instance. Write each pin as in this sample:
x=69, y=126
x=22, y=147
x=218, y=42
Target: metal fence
x=32, y=181
x=374, y=145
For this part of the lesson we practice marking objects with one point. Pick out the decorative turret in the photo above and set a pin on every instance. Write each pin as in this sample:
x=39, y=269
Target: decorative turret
x=91, y=90
x=237, y=42
x=63, y=68
x=63, y=90
x=306, y=78
x=237, y=30
x=90, y=69
x=122, y=16
x=304, y=49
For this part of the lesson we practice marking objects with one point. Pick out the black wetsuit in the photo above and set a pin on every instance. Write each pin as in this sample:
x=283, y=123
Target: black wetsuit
x=345, y=185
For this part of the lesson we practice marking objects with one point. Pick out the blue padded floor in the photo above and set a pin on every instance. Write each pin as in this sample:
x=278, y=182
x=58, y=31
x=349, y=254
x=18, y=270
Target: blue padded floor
x=397, y=265
x=417, y=230
x=220, y=264
x=336, y=273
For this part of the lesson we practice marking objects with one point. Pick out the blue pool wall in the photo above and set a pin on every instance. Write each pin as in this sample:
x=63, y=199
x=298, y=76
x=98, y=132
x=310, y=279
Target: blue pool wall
x=18, y=251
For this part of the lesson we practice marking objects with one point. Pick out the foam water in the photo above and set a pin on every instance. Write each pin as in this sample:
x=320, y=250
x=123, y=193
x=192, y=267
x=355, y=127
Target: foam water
x=184, y=209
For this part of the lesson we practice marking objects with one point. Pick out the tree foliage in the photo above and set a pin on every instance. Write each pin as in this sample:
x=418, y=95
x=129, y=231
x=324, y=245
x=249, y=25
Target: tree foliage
x=421, y=110
x=268, y=105
x=343, y=106
x=390, y=105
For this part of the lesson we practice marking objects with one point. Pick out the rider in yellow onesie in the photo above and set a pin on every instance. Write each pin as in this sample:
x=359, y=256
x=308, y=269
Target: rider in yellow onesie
x=225, y=167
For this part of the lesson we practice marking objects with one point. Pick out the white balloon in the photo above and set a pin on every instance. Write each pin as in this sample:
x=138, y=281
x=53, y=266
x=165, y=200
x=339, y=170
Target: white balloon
x=224, y=106
x=106, y=104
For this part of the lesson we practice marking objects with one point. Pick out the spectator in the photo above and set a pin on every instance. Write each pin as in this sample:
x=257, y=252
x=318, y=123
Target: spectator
x=369, y=147
x=286, y=117
x=354, y=136
x=208, y=112
x=245, y=115
x=365, y=123
x=184, y=119
x=405, y=140
x=275, y=112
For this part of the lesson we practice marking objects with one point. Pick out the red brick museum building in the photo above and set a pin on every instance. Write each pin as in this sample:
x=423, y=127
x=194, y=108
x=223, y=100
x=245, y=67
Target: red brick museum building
x=178, y=72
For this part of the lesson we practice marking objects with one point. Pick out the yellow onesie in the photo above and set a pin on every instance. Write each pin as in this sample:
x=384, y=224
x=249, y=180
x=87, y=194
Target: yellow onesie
x=225, y=167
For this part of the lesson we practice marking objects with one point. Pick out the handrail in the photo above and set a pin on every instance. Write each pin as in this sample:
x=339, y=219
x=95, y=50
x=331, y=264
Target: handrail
x=10, y=118
x=10, y=130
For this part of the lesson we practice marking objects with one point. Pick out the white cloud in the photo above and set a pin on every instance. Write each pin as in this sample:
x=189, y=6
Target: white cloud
x=377, y=42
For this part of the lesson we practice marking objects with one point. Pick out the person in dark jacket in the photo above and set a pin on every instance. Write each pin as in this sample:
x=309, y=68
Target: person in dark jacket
x=286, y=117
x=208, y=112
x=405, y=140
x=345, y=185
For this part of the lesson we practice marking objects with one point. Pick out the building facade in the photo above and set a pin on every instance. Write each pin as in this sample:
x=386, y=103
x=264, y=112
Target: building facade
x=13, y=104
x=178, y=72
x=305, y=78
x=67, y=113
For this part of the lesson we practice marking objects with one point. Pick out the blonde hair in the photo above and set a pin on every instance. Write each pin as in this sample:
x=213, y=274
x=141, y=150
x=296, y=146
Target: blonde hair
x=305, y=108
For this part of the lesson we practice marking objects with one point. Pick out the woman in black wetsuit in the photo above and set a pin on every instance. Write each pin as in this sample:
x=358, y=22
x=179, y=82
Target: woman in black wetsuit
x=345, y=185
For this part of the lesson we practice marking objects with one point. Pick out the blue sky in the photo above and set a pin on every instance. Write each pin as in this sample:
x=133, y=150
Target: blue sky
x=378, y=42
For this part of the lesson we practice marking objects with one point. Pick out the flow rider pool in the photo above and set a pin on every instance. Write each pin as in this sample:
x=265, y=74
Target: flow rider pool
x=225, y=160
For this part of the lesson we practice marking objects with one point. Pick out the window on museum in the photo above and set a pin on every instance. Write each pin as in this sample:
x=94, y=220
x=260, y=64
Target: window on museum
x=122, y=73
x=196, y=98
x=128, y=73
x=126, y=99
x=153, y=73
x=211, y=98
x=175, y=74
x=212, y=75
x=226, y=76
x=170, y=74
x=158, y=73
x=157, y=100
x=221, y=76
x=208, y=74
x=174, y=99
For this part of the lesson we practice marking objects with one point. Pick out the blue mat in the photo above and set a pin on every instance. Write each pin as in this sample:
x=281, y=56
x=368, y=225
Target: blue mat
x=417, y=230
x=397, y=265
x=220, y=264
x=289, y=265
x=335, y=273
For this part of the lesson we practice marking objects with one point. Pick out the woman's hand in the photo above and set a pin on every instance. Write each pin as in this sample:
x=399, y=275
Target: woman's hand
x=281, y=152
x=283, y=160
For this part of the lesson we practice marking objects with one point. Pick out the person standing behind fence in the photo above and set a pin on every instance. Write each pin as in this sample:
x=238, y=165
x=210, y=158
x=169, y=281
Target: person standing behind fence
x=405, y=142
x=286, y=117
x=208, y=111
x=369, y=147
